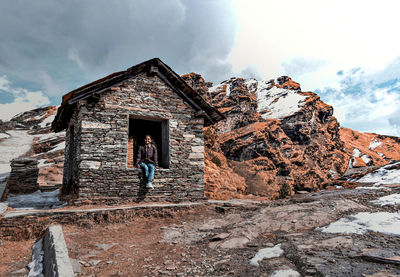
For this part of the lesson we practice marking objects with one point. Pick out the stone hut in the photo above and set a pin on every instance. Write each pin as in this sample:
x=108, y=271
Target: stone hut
x=107, y=120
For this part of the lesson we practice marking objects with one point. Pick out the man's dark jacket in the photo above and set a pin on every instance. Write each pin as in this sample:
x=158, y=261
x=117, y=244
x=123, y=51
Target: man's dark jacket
x=147, y=155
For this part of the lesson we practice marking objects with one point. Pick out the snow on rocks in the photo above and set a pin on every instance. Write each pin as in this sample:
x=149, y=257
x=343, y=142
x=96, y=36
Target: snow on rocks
x=45, y=137
x=4, y=135
x=59, y=147
x=371, y=188
x=392, y=199
x=366, y=159
x=266, y=253
x=44, y=163
x=47, y=121
x=360, y=223
x=18, y=143
x=386, y=175
x=285, y=273
x=374, y=144
x=356, y=153
x=273, y=102
x=224, y=86
x=277, y=103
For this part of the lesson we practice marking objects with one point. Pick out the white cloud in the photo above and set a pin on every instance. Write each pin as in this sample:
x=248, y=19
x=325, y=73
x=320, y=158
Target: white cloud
x=365, y=102
x=4, y=83
x=312, y=41
x=24, y=99
x=341, y=34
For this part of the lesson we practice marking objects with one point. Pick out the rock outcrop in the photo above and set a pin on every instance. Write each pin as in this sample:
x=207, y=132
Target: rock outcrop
x=276, y=140
x=369, y=149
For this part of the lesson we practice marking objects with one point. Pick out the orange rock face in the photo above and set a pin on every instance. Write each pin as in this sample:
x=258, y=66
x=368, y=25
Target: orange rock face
x=368, y=149
x=253, y=154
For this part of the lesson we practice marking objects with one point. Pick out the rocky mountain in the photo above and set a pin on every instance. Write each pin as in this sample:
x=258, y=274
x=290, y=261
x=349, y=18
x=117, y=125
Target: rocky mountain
x=276, y=140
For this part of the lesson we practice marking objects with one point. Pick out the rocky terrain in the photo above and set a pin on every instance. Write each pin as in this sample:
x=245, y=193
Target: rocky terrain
x=278, y=140
x=344, y=232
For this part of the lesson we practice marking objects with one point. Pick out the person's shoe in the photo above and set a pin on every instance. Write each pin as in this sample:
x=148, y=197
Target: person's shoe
x=149, y=185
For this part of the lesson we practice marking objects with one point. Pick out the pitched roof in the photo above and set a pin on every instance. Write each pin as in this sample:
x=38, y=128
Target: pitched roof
x=152, y=67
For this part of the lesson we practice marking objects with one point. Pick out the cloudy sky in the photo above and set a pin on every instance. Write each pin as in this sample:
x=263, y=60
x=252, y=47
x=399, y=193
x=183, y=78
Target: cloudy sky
x=346, y=51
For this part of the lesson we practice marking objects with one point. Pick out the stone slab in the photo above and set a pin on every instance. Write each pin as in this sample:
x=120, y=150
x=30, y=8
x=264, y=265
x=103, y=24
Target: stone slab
x=3, y=207
x=56, y=261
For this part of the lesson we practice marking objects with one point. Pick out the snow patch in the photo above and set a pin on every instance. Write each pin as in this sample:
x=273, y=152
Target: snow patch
x=285, y=273
x=382, y=222
x=44, y=163
x=39, y=116
x=333, y=173
x=251, y=83
x=383, y=176
x=277, y=102
x=44, y=137
x=60, y=146
x=366, y=159
x=18, y=143
x=228, y=90
x=371, y=188
x=356, y=153
x=266, y=253
x=47, y=121
x=221, y=86
x=393, y=199
x=374, y=144
x=4, y=135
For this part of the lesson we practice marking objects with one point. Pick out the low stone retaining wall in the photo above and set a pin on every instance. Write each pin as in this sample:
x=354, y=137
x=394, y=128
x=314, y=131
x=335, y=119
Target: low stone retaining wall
x=23, y=176
x=19, y=225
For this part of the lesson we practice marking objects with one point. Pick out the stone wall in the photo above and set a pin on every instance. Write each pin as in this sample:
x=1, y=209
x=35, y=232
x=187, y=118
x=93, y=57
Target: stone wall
x=101, y=148
x=23, y=176
x=25, y=225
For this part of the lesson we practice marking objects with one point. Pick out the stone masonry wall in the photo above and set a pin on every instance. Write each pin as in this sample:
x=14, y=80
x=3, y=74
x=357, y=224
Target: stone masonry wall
x=101, y=128
x=71, y=160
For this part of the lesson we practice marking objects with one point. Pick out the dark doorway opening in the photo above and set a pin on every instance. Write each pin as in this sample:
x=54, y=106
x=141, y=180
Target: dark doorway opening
x=69, y=169
x=158, y=130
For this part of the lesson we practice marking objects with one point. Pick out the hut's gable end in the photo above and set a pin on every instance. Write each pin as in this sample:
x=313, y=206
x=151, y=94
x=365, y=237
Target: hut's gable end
x=111, y=127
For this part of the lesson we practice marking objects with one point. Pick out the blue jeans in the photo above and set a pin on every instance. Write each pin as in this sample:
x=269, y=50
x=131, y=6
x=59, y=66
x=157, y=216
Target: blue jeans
x=148, y=169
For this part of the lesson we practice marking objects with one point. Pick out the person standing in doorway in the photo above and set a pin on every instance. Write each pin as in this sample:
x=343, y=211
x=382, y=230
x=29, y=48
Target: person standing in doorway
x=147, y=159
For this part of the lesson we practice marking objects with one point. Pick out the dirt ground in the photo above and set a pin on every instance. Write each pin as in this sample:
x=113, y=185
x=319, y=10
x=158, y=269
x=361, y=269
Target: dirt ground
x=220, y=239
x=136, y=248
x=15, y=256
